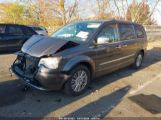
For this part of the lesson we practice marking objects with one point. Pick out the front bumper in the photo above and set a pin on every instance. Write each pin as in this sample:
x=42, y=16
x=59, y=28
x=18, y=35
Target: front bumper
x=45, y=81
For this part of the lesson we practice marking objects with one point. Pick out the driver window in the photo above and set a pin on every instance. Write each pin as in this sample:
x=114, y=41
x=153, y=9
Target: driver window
x=109, y=33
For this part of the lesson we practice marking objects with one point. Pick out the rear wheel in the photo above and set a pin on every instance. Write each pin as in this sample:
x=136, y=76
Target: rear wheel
x=78, y=82
x=138, y=61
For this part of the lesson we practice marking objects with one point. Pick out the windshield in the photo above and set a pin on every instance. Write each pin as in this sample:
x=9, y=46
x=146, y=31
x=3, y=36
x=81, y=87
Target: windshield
x=77, y=31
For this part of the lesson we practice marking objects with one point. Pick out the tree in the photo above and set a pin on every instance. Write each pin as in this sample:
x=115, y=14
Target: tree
x=103, y=10
x=61, y=7
x=140, y=12
x=69, y=13
x=56, y=12
x=14, y=13
x=42, y=12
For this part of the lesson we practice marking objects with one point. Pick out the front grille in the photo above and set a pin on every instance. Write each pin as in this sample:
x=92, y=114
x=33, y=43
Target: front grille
x=28, y=63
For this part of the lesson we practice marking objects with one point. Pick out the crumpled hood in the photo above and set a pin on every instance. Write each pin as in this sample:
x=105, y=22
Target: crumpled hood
x=39, y=46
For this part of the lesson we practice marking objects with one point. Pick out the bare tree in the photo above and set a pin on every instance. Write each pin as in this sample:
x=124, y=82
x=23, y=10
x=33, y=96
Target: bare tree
x=141, y=12
x=67, y=13
x=117, y=7
x=52, y=11
x=153, y=9
x=72, y=12
x=103, y=9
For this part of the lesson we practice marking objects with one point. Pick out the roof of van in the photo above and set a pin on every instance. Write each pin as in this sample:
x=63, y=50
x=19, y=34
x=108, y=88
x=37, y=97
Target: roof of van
x=106, y=21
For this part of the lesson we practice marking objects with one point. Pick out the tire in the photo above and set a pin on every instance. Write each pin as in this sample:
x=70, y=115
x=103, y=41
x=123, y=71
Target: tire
x=72, y=86
x=138, y=61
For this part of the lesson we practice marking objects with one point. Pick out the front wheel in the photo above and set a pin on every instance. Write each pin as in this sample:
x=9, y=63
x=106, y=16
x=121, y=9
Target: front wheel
x=78, y=82
x=138, y=61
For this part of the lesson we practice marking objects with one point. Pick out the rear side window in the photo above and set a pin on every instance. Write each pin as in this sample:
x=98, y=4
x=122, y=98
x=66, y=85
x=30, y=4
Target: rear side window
x=139, y=31
x=28, y=31
x=2, y=28
x=15, y=30
x=126, y=32
x=37, y=28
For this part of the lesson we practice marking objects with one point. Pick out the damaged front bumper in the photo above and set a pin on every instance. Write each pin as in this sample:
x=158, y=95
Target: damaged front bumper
x=40, y=78
x=28, y=80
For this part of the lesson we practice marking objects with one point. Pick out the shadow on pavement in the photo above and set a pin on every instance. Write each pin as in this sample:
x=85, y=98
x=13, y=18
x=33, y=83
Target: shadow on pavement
x=6, y=52
x=11, y=93
x=151, y=103
x=101, y=107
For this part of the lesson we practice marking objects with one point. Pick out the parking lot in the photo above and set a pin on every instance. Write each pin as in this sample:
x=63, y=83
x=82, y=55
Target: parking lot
x=124, y=93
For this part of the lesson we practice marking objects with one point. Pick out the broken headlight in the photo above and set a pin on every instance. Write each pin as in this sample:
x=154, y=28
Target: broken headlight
x=50, y=62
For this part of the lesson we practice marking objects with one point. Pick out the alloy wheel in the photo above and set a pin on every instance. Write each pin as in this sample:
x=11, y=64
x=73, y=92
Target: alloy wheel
x=79, y=81
x=139, y=60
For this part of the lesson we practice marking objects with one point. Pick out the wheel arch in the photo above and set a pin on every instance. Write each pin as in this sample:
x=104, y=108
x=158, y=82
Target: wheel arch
x=142, y=51
x=80, y=60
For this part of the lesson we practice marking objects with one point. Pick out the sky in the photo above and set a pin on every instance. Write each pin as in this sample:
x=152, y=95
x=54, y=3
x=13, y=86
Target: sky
x=89, y=11
x=6, y=1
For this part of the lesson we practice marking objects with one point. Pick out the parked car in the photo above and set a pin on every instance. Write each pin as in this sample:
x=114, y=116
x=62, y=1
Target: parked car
x=78, y=53
x=12, y=36
x=40, y=30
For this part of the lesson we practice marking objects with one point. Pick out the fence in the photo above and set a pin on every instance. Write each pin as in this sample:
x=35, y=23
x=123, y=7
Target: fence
x=153, y=32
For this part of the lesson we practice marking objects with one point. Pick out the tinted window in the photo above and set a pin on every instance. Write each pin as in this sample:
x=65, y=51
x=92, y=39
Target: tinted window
x=2, y=28
x=109, y=32
x=28, y=31
x=15, y=30
x=37, y=28
x=126, y=32
x=139, y=31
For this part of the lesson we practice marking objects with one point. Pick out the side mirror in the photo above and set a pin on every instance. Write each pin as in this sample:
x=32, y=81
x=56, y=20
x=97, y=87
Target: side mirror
x=102, y=40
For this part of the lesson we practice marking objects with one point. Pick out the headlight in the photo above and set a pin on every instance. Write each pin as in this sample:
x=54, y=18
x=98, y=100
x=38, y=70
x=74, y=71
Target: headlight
x=51, y=62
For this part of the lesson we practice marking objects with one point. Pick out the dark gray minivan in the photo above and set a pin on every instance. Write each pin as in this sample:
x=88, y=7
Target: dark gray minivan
x=79, y=52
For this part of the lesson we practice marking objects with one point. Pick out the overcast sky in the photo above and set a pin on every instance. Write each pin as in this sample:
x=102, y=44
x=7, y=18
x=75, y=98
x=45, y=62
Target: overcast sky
x=89, y=11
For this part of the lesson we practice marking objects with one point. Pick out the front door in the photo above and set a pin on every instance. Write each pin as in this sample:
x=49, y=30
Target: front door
x=108, y=55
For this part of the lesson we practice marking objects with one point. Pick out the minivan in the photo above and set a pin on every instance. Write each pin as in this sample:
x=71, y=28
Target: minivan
x=77, y=53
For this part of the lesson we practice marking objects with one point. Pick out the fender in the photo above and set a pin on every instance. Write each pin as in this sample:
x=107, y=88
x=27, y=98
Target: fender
x=76, y=60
